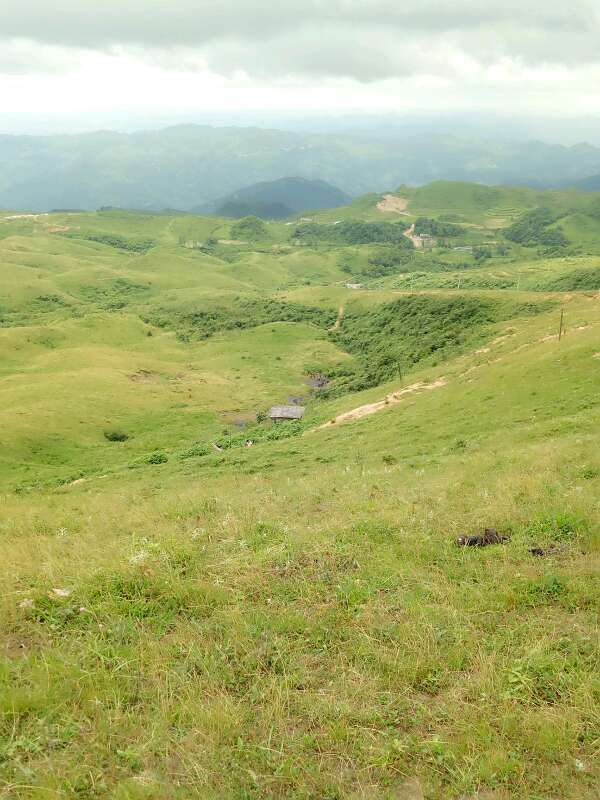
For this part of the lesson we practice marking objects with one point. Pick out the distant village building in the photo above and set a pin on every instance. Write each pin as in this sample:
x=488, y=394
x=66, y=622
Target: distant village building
x=354, y=286
x=424, y=241
x=286, y=413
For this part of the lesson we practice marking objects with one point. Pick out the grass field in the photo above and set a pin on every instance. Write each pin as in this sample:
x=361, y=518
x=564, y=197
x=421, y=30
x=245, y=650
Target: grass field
x=294, y=619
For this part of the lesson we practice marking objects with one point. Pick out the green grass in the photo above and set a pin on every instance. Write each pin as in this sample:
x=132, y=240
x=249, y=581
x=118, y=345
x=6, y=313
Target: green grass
x=294, y=619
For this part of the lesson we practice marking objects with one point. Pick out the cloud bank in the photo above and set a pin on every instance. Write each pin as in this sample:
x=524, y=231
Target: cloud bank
x=463, y=45
x=340, y=38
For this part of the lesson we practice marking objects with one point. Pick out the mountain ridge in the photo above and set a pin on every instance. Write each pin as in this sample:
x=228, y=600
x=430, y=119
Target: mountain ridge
x=187, y=166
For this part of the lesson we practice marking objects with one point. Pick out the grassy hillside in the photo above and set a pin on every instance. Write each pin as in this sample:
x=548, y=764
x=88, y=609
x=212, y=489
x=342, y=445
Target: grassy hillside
x=185, y=616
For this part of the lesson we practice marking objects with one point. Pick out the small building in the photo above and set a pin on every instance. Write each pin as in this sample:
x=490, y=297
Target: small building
x=286, y=413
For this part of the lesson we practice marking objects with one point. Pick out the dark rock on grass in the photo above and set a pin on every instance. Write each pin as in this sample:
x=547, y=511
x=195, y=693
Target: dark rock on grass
x=550, y=550
x=489, y=536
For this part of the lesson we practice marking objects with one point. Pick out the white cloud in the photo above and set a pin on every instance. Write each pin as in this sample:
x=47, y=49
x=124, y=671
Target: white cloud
x=73, y=54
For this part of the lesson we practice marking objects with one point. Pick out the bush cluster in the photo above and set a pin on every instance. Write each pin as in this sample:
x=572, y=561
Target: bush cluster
x=354, y=232
x=533, y=229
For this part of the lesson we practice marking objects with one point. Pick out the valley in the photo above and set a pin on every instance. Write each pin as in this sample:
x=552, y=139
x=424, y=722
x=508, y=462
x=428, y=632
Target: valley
x=184, y=615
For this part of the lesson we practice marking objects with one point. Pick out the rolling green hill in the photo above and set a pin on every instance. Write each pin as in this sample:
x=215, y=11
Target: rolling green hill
x=199, y=603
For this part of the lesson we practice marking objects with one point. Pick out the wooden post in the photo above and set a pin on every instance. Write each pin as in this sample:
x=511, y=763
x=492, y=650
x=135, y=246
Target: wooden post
x=560, y=329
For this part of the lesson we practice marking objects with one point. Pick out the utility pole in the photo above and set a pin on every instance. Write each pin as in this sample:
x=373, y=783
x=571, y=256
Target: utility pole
x=560, y=328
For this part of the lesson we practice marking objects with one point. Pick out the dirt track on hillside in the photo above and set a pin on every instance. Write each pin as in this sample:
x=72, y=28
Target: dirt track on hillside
x=380, y=405
x=340, y=317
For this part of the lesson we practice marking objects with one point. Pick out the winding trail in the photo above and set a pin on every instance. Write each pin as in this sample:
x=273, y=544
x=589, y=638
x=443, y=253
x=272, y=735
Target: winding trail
x=380, y=405
x=340, y=317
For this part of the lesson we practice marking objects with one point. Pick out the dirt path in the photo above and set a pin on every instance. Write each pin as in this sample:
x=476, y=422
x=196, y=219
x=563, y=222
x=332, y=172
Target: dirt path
x=340, y=317
x=380, y=405
x=395, y=205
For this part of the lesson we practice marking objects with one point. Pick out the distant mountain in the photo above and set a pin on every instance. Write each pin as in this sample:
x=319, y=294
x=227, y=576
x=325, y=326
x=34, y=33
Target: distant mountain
x=281, y=198
x=591, y=184
x=187, y=166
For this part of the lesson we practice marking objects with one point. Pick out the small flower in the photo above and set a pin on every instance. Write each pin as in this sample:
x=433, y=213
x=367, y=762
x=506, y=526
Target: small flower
x=27, y=603
x=83, y=610
x=579, y=765
x=60, y=592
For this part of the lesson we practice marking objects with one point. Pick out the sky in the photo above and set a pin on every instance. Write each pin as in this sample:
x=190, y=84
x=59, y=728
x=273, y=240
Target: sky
x=77, y=57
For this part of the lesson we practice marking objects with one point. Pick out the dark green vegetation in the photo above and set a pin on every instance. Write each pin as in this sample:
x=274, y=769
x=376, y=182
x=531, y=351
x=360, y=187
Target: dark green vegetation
x=534, y=228
x=120, y=242
x=434, y=227
x=239, y=315
x=198, y=603
x=353, y=232
x=189, y=166
x=280, y=199
x=251, y=228
x=394, y=337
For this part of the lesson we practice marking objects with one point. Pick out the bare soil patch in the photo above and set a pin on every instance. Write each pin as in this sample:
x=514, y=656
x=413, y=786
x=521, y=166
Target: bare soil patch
x=340, y=317
x=380, y=405
x=391, y=203
x=144, y=376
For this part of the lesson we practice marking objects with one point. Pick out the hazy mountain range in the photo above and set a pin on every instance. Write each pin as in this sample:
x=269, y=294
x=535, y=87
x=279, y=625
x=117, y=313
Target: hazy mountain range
x=192, y=166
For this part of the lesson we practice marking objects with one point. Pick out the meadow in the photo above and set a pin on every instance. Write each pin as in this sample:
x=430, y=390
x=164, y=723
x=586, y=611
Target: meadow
x=295, y=619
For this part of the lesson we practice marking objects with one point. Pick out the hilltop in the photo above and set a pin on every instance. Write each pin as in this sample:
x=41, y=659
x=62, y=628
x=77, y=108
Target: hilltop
x=281, y=198
x=199, y=603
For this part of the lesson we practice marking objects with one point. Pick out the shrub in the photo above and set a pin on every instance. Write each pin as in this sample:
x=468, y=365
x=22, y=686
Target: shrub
x=157, y=458
x=533, y=229
x=116, y=241
x=195, y=451
x=250, y=228
x=354, y=232
x=116, y=435
x=435, y=228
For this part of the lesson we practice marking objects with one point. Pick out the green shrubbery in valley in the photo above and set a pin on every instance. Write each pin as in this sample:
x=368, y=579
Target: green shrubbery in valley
x=353, y=232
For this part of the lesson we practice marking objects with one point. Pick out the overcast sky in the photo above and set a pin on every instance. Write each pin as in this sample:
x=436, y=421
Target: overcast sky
x=534, y=56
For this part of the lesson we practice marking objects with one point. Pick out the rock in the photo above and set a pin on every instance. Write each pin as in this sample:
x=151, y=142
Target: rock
x=550, y=550
x=489, y=536
x=60, y=592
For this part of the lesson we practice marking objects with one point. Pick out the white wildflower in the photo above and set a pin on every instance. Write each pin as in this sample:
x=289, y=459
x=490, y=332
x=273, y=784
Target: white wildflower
x=60, y=592
x=27, y=603
x=139, y=557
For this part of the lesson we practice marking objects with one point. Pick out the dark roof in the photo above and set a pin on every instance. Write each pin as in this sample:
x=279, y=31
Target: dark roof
x=286, y=412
